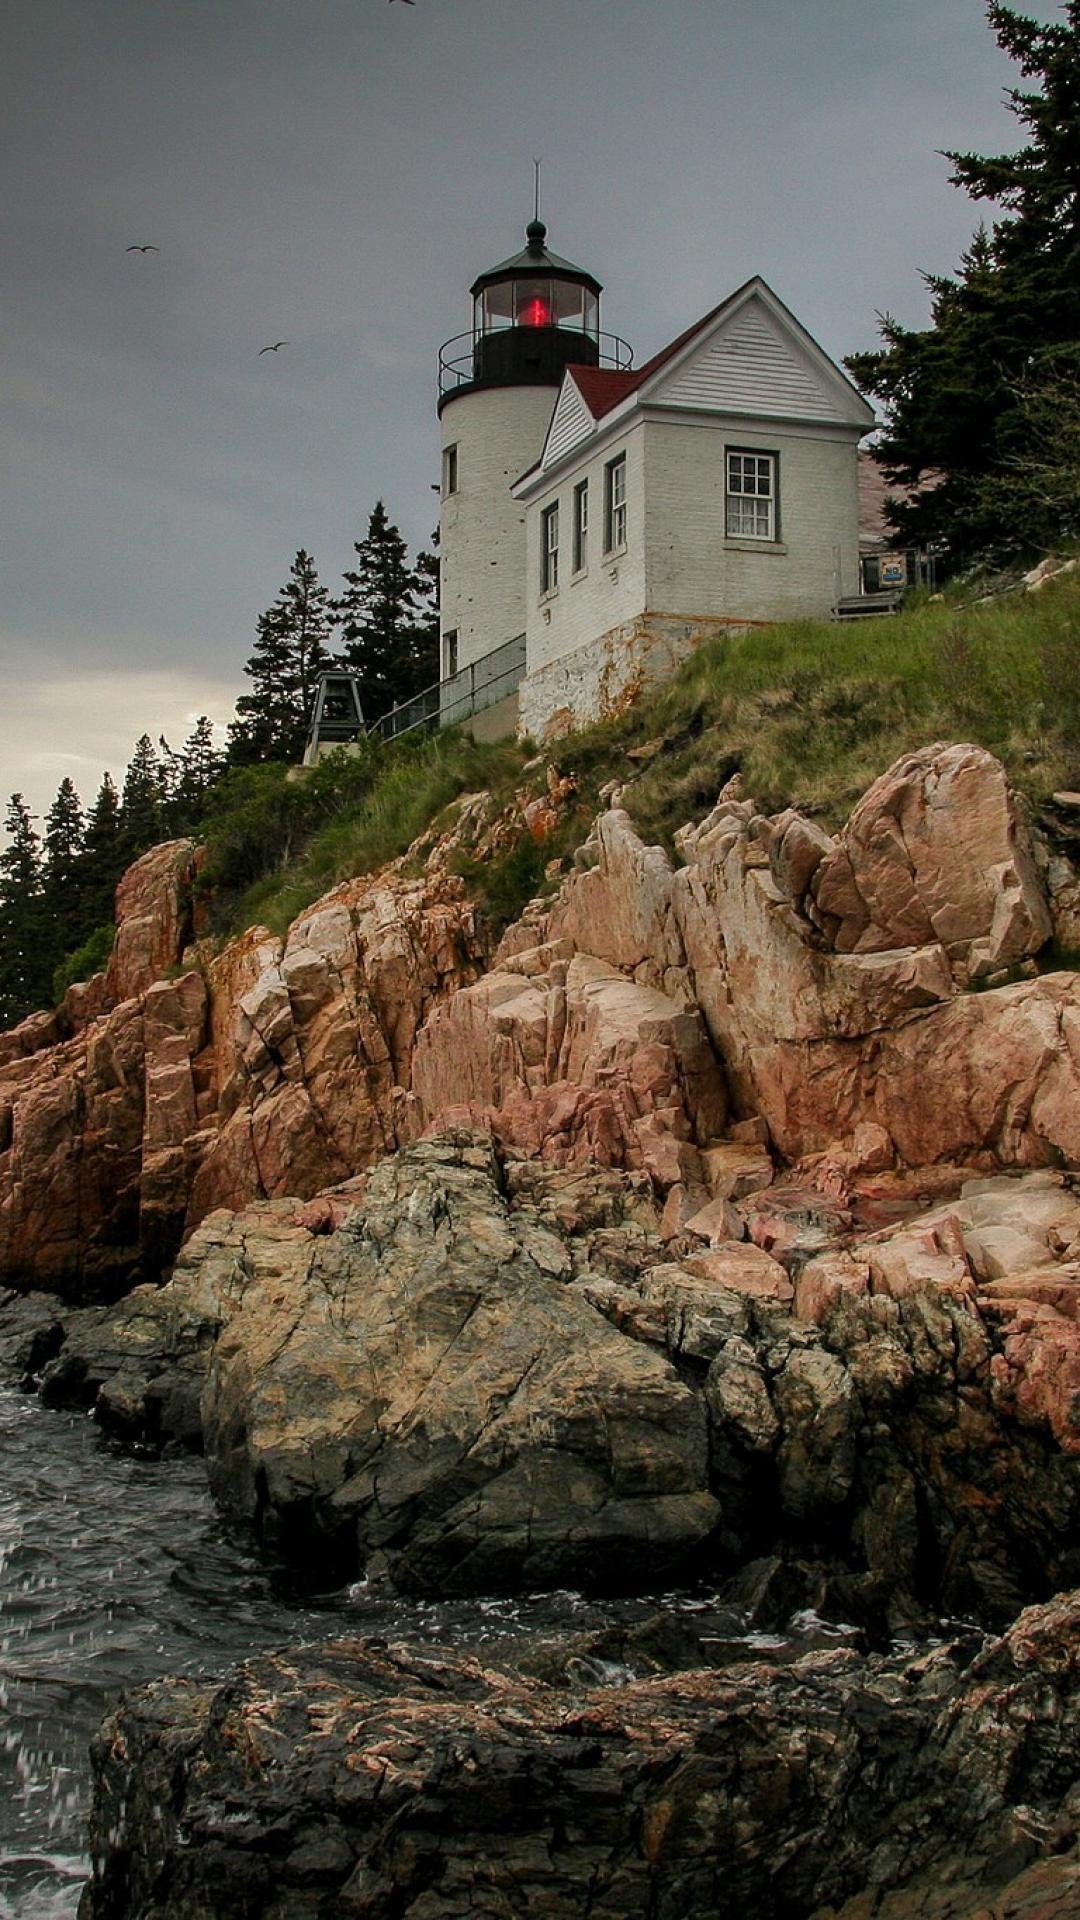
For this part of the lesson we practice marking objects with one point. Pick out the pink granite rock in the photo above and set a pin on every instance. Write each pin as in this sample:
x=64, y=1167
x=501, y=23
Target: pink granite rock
x=936, y=850
x=153, y=918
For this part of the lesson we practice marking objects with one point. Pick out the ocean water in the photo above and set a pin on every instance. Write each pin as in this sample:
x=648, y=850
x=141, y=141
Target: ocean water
x=115, y=1569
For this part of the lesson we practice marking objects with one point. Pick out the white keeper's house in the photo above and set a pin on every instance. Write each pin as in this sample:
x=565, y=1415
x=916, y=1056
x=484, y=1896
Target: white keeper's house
x=599, y=520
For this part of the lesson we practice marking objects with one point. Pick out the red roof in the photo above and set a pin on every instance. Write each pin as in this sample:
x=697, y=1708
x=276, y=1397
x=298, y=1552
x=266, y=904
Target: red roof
x=602, y=390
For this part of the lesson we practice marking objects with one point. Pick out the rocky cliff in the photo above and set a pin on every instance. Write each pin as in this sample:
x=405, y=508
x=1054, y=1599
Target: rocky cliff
x=721, y=1222
x=811, y=987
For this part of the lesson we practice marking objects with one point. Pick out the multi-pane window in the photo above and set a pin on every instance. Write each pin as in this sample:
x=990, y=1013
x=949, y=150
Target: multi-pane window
x=449, y=470
x=615, y=504
x=751, y=496
x=581, y=526
x=549, y=549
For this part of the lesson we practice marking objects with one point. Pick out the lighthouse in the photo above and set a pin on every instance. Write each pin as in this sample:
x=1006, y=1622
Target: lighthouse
x=533, y=315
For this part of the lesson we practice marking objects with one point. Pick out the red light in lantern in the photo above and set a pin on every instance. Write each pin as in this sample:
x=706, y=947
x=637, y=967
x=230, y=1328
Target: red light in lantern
x=535, y=313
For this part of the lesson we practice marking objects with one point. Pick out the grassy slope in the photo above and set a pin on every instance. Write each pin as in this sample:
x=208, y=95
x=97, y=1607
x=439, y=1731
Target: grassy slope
x=809, y=712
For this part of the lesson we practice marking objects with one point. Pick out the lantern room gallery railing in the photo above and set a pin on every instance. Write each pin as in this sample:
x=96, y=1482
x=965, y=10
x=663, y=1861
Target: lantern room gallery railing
x=483, y=683
x=458, y=366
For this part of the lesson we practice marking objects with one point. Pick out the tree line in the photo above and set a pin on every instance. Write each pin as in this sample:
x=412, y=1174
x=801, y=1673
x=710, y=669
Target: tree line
x=57, y=885
x=982, y=407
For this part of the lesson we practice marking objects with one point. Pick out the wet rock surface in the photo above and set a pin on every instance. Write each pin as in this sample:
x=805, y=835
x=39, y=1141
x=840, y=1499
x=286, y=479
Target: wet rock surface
x=401, y=1783
x=468, y=1372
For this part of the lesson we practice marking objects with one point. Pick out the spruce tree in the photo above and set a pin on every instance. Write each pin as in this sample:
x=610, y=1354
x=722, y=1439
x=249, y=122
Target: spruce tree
x=102, y=862
x=62, y=888
x=424, y=644
x=200, y=765
x=142, y=802
x=377, y=617
x=958, y=394
x=291, y=650
x=26, y=950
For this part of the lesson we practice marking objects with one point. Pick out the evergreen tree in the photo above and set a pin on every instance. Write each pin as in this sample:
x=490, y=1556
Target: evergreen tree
x=26, y=954
x=958, y=394
x=1037, y=493
x=200, y=764
x=102, y=863
x=378, y=616
x=62, y=888
x=424, y=645
x=142, y=802
x=291, y=650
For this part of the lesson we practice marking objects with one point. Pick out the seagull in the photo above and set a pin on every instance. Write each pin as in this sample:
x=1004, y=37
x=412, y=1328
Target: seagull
x=273, y=349
x=158, y=249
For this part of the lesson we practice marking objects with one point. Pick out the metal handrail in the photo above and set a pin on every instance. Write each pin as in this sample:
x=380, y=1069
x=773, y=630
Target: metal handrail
x=458, y=369
x=481, y=684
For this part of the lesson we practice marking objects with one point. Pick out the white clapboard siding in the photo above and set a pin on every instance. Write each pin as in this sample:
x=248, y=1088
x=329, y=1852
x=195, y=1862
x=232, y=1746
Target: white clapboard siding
x=570, y=423
x=751, y=368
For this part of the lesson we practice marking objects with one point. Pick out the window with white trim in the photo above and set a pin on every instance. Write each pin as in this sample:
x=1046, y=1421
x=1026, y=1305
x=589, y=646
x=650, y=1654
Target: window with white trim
x=581, y=526
x=549, y=548
x=751, y=495
x=449, y=653
x=615, y=504
x=449, y=470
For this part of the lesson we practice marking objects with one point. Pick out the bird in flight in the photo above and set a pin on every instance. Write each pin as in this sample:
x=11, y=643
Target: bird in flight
x=273, y=349
x=157, y=249
x=408, y=3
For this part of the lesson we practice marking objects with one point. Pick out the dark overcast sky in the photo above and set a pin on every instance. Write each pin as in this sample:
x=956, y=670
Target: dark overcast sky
x=335, y=173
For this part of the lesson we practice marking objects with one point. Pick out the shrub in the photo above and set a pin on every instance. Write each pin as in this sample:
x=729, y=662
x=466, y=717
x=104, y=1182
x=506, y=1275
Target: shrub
x=87, y=960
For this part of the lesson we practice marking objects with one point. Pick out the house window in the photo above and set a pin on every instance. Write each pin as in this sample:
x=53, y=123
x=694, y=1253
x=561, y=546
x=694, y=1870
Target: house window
x=549, y=549
x=751, y=496
x=449, y=470
x=449, y=641
x=581, y=526
x=615, y=504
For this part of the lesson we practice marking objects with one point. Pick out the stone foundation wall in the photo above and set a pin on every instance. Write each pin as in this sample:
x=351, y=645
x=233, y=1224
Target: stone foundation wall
x=606, y=675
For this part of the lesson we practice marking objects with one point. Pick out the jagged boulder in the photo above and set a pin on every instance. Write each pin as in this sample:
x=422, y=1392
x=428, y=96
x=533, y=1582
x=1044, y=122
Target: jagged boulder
x=400, y=1781
x=936, y=850
x=154, y=920
x=831, y=974
x=570, y=1060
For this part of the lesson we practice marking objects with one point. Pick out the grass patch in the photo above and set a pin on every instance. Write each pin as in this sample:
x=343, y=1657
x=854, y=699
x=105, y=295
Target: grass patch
x=809, y=712
x=278, y=843
x=813, y=712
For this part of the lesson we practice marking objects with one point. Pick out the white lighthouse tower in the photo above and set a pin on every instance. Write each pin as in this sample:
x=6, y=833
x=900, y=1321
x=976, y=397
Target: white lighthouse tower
x=533, y=316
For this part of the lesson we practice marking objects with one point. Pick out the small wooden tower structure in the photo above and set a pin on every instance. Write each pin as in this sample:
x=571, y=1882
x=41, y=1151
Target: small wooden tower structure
x=336, y=717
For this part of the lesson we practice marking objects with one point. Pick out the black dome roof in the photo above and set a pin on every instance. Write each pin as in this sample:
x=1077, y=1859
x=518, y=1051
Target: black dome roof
x=535, y=258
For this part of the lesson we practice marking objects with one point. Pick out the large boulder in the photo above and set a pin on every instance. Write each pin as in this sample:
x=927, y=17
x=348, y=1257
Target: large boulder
x=461, y=1371
x=420, y=1391
x=936, y=850
x=402, y=1781
x=833, y=976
